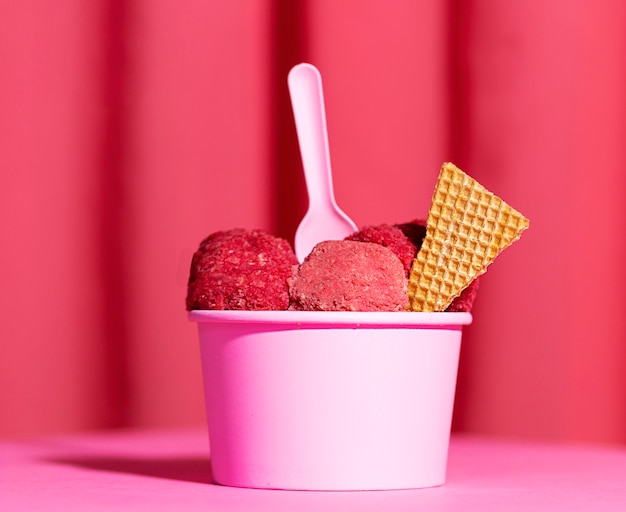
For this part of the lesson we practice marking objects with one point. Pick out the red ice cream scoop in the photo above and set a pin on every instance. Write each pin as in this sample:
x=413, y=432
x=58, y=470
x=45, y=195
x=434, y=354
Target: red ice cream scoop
x=241, y=269
x=344, y=275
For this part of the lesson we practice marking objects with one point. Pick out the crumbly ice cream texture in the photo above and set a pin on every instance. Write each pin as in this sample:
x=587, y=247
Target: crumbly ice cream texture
x=347, y=275
x=241, y=269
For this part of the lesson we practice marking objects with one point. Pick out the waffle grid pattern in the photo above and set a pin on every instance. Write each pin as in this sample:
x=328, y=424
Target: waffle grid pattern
x=467, y=227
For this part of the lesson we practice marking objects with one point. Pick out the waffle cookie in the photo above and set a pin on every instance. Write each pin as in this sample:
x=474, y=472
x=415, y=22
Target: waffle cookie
x=467, y=227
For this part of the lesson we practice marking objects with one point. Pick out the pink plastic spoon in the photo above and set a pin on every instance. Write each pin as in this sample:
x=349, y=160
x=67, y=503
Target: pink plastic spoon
x=324, y=220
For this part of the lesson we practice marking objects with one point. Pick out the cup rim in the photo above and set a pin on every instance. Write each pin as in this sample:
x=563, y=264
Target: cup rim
x=333, y=318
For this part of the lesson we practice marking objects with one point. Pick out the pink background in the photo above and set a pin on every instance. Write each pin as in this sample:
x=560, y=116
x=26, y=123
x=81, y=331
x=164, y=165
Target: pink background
x=131, y=130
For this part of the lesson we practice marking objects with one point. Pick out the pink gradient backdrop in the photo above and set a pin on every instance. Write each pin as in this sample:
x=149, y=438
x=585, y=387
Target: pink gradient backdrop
x=130, y=130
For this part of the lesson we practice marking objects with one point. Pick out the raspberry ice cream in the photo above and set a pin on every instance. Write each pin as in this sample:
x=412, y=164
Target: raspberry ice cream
x=244, y=269
x=241, y=269
x=347, y=275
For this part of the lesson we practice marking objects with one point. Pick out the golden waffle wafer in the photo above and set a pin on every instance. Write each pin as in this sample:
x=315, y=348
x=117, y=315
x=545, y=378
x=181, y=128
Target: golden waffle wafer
x=467, y=227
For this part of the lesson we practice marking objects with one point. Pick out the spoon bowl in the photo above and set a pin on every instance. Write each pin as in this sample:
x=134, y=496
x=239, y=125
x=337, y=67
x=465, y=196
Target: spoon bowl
x=324, y=220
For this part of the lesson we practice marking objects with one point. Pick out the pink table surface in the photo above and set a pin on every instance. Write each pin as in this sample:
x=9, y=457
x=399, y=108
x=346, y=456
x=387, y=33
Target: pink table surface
x=170, y=471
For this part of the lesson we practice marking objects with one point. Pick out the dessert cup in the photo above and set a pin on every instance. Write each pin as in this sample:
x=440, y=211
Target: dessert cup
x=329, y=400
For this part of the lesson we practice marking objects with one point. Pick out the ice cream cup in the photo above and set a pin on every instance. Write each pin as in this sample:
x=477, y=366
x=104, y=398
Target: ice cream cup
x=329, y=400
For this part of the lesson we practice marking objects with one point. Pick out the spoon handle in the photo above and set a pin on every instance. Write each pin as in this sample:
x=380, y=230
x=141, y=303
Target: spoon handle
x=307, y=98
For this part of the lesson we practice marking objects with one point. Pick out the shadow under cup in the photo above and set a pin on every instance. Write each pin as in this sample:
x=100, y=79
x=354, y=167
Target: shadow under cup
x=329, y=400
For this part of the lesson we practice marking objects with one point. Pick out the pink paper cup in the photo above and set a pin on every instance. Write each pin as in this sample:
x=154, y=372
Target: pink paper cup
x=329, y=400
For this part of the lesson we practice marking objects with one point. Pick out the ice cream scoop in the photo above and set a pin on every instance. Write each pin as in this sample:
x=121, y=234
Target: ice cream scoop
x=346, y=275
x=324, y=220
